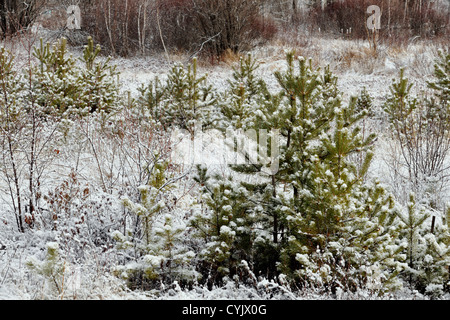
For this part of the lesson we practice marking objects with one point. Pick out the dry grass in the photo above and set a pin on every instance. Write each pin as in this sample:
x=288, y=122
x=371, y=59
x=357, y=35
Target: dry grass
x=229, y=57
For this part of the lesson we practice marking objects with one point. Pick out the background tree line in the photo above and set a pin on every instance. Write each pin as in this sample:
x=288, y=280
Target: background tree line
x=215, y=26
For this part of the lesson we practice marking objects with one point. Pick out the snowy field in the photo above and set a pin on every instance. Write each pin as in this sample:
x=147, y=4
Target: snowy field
x=93, y=278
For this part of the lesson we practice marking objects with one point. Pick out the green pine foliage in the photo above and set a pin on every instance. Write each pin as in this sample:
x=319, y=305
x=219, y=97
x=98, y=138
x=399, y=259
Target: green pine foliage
x=399, y=106
x=299, y=215
x=52, y=268
x=62, y=87
x=346, y=245
x=328, y=188
x=243, y=95
x=53, y=79
x=441, y=84
x=427, y=249
x=151, y=100
x=170, y=257
x=308, y=107
x=222, y=225
x=158, y=251
x=183, y=101
x=365, y=102
x=99, y=90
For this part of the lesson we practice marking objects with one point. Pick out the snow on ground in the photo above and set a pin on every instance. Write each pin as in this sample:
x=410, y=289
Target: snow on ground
x=351, y=61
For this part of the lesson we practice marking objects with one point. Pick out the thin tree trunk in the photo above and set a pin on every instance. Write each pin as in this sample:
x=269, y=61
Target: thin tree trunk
x=275, y=216
x=160, y=33
x=108, y=27
x=389, y=18
x=32, y=168
x=406, y=11
x=126, y=27
x=16, y=206
x=18, y=211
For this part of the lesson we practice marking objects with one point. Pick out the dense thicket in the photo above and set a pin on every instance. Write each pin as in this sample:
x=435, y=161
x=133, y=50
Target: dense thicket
x=400, y=19
x=18, y=15
x=210, y=27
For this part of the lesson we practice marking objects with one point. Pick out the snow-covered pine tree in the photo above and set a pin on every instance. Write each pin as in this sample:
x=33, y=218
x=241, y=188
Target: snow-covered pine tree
x=140, y=239
x=155, y=246
x=302, y=111
x=97, y=83
x=52, y=268
x=151, y=99
x=316, y=206
x=341, y=226
x=427, y=245
x=54, y=79
x=170, y=256
x=64, y=88
x=244, y=93
x=365, y=102
x=222, y=225
x=420, y=127
x=183, y=101
x=441, y=83
x=310, y=101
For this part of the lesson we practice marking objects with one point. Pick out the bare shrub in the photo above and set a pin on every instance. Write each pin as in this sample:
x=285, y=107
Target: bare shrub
x=174, y=24
x=212, y=27
x=420, y=127
x=18, y=15
x=399, y=19
x=206, y=26
x=228, y=22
